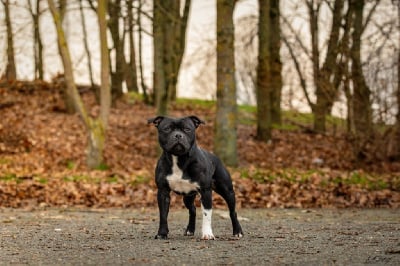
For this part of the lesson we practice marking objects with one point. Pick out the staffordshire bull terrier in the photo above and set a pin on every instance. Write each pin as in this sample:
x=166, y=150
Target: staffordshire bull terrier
x=188, y=170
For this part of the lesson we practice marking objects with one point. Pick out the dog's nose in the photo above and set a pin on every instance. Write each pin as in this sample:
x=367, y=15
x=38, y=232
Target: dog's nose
x=178, y=135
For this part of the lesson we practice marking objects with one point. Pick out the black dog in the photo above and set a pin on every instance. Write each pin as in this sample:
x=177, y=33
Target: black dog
x=187, y=170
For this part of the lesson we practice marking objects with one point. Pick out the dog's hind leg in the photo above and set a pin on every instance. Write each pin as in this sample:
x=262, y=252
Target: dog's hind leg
x=224, y=187
x=188, y=200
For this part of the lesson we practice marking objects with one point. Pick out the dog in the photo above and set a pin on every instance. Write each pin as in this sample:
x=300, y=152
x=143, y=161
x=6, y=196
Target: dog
x=188, y=170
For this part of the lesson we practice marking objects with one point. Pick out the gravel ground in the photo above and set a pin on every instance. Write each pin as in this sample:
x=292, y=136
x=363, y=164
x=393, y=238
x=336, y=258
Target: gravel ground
x=272, y=236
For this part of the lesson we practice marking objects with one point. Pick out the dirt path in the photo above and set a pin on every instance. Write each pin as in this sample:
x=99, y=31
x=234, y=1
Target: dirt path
x=272, y=236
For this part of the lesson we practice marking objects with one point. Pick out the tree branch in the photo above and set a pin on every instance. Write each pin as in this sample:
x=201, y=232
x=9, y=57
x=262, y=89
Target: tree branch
x=299, y=72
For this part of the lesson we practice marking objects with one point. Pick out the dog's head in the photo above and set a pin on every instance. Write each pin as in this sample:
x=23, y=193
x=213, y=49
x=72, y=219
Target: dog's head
x=176, y=135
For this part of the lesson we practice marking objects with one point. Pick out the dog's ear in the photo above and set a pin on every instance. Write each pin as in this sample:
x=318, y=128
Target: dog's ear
x=197, y=121
x=155, y=120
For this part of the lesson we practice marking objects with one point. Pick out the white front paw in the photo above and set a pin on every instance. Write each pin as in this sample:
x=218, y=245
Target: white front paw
x=206, y=228
x=208, y=236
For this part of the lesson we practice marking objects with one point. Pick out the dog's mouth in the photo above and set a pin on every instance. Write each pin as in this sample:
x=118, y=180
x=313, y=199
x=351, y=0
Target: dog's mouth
x=177, y=149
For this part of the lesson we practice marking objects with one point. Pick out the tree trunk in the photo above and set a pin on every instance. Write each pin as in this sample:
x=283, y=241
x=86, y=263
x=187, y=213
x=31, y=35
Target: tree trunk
x=117, y=74
x=276, y=64
x=37, y=40
x=169, y=27
x=131, y=70
x=159, y=79
x=175, y=30
x=85, y=43
x=344, y=69
x=142, y=83
x=325, y=90
x=96, y=127
x=66, y=60
x=317, y=109
x=169, y=8
x=105, y=93
x=11, y=73
x=264, y=88
x=225, y=145
x=67, y=89
x=362, y=103
x=39, y=43
x=96, y=140
x=269, y=79
x=397, y=152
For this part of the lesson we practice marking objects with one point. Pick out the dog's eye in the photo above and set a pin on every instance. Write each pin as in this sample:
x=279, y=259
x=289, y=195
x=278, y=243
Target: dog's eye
x=167, y=129
x=186, y=129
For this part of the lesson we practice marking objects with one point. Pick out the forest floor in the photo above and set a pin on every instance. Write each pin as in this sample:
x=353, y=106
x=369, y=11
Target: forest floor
x=42, y=159
x=73, y=236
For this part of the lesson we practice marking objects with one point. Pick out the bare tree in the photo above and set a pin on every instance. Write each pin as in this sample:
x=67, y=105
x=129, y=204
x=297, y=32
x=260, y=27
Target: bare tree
x=118, y=69
x=225, y=145
x=142, y=83
x=159, y=79
x=11, y=73
x=269, y=79
x=37, y=39
x=169, y=36
x=276, y=64
x=96, y=127
x=264, y=90
x=85, y=42
x=325, y=91
x=361, y=96
x=397, y=152
x=131, y=71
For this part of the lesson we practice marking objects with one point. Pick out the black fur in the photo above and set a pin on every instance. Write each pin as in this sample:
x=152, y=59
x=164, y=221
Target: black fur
x=199, y=167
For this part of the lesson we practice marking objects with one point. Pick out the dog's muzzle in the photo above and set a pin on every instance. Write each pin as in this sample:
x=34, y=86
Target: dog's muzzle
x=177, y=143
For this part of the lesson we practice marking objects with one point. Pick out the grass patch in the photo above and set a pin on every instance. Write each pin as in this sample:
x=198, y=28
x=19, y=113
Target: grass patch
x=41, y=180
x=291, y=120
x=267, y=176
x=321, y=178
x=257, y=175
x=139, y=179
x=194, y=103
x=8, y=177
x=247, y=115
x=80, y=178
x=102, y=167
x=113, y=179
x=132, y=97
x=363, y=180
x=4, y=161
x=71, y=165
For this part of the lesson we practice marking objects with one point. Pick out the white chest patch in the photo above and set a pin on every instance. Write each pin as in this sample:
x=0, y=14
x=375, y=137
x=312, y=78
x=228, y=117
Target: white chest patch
x=176, y=181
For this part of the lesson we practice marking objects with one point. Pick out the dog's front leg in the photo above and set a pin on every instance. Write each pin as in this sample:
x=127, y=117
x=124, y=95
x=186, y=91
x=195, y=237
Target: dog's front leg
x=163, y=199
x=206, y=208
x=189, y=203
